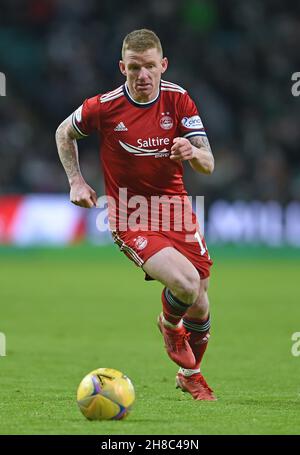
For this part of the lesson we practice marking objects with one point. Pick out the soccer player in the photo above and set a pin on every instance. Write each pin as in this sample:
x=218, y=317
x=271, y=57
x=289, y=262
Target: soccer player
x=147, y=128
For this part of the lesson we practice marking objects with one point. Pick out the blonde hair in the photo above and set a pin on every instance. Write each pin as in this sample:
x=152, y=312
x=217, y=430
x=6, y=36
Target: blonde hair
x=140, y=41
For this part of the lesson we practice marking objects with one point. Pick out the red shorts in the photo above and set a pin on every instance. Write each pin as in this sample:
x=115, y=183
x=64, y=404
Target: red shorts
x=141, y=245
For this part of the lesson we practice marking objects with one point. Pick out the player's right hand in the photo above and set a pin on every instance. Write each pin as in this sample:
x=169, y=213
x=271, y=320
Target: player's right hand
x=83, y=195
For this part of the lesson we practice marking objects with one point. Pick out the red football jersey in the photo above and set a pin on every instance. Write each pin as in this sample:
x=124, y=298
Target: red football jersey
x=136, y=138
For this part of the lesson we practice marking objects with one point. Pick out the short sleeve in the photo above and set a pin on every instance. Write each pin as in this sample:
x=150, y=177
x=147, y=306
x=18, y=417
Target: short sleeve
x=190, y=123
x=86, y=119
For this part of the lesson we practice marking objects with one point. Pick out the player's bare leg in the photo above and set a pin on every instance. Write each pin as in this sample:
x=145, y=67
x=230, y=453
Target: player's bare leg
x=175, y=272
x=182, y=283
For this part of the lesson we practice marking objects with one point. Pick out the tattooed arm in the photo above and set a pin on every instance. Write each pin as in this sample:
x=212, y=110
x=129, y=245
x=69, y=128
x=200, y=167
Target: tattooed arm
x=203, y=159
x=66, y=140
x=195, y=149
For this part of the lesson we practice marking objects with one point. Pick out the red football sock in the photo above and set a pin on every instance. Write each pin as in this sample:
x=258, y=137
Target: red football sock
x=173, y=308
x=199, y=330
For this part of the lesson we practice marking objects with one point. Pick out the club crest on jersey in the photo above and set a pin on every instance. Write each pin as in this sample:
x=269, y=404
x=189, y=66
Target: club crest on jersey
x=140, y=242
x=193, y=123
x=166, y=122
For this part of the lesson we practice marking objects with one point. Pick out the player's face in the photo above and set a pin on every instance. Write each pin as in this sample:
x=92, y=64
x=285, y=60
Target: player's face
x=143, y=71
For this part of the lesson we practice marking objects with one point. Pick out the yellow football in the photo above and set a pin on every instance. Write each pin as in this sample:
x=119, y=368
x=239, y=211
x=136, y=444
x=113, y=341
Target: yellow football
x=105, y=394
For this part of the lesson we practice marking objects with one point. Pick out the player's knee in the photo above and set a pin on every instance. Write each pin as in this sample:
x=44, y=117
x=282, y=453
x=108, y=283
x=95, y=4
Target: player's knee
x=187, y=289
x=204, y=283
x=202, y=304
x=204, y=286
x=200, y=309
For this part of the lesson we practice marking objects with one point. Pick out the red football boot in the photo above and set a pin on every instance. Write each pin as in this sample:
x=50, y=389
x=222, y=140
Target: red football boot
x=196, y=386
x=176, y=344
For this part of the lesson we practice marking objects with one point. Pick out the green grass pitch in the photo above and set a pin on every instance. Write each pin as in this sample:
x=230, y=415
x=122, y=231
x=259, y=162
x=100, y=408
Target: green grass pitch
x=66, y=312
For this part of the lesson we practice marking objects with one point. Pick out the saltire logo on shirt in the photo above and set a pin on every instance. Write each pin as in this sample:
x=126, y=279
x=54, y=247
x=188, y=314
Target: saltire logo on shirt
x=138, y=151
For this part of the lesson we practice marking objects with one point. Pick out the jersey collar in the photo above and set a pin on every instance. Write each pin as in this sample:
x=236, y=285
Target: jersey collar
x=136, y=103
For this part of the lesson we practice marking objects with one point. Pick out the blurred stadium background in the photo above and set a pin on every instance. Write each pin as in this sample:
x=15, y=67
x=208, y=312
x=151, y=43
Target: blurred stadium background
x=235, y=58
x=59, y=305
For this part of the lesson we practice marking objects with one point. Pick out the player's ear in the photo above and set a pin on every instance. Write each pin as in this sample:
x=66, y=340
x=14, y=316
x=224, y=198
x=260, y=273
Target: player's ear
x=164, y=64
x=122, y=67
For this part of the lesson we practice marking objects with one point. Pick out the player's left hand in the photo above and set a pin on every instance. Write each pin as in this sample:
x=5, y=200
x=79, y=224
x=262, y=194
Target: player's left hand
x=181, y=149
